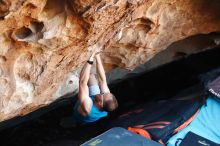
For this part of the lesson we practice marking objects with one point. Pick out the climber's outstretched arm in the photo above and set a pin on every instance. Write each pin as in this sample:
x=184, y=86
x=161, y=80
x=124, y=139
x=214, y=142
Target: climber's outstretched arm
x=101, y=74
x=83, y=96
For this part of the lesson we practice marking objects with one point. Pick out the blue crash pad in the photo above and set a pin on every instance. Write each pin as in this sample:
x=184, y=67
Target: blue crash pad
x=120, y=137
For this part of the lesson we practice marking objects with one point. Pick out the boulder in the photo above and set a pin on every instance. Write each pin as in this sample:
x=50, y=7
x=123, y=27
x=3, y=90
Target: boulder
x=44, y=43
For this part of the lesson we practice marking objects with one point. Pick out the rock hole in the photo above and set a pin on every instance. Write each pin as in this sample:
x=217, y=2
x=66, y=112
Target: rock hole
x=54, y=7
x=4, y=8
x=115, y=1
x=24, y=76
x=2, y=59
x=36, y=26
x=32, y=33
x=143, y=23
x=70, y=82
x=23, y=33
x=136, y=32
x=31, y=6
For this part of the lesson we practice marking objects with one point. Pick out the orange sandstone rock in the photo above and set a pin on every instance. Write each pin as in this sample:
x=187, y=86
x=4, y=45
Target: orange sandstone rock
x=43, y=43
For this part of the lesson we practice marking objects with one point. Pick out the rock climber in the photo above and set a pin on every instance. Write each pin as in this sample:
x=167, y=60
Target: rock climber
x=94, y=99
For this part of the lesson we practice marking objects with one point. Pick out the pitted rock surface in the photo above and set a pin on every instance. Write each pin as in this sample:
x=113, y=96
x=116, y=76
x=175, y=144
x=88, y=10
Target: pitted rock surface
x=43, y=43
